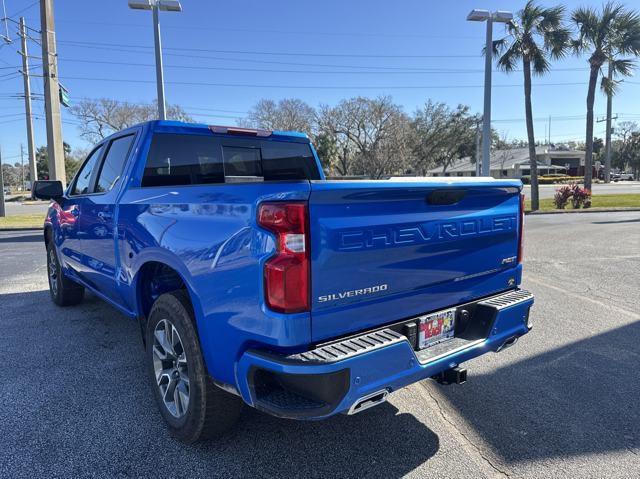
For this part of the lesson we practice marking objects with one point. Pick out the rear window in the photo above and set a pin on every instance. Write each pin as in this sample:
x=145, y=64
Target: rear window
x=176, y=159
x=183, y=160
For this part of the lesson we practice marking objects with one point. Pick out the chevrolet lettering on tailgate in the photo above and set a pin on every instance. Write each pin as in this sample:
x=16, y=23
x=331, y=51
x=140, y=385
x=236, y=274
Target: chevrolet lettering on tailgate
x=431, y=232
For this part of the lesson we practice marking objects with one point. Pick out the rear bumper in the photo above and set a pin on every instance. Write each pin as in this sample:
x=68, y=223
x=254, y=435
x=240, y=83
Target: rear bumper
x=332, y=378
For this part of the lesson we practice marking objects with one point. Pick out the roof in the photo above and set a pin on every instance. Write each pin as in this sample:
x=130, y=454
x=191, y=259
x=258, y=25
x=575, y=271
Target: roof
x=180, y=126
x=508, y=159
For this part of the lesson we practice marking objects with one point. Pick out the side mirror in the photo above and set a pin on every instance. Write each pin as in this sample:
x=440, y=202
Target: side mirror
x=47, y=190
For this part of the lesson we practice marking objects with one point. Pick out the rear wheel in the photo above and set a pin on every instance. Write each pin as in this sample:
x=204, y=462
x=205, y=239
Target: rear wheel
x=64, y=292
x=192, y=406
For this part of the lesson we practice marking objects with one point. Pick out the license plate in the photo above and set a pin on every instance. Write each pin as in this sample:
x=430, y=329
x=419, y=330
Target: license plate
x=436, y=328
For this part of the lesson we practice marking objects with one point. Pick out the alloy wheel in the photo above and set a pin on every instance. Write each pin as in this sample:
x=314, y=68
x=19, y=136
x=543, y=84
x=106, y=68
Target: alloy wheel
x=53, y=272
x=171, y=368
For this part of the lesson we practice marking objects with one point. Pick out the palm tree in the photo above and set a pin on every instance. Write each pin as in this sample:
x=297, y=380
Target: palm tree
x=604, y=36
x=535, y=36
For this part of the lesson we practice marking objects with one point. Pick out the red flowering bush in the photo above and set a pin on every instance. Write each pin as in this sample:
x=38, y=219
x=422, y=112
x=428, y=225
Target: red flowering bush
x=579, y=197
x=562, y=196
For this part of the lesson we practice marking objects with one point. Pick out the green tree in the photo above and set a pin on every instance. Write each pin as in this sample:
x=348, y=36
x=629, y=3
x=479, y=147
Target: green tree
x=535, y=36
x=630, y=153
x=605, y=36
x=327, y=150
x=72, y=161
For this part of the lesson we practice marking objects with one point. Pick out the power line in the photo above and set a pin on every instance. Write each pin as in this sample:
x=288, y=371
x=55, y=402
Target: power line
x=322, y=87
x=257, y=52
x=281, y=32
x=15, y=14
x=245, y=60
x=185, y=107
x=261, y=70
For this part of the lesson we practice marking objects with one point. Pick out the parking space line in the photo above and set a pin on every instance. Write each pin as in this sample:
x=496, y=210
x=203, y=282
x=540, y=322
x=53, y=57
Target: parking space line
x=631, y=314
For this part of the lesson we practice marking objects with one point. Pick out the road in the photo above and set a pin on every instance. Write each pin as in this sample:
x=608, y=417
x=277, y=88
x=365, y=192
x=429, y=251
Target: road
x=562, y=403
x=546, y=191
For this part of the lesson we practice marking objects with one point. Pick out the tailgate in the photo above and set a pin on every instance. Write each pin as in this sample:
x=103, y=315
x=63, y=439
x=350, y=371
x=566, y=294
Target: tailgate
x=386, y=250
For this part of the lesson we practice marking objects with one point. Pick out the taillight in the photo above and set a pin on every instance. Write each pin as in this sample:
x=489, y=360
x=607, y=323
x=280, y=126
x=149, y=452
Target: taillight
x=286, y=275
x=521, y=230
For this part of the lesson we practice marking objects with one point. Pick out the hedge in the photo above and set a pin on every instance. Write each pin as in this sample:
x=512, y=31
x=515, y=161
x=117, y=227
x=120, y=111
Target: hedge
x=551, y=180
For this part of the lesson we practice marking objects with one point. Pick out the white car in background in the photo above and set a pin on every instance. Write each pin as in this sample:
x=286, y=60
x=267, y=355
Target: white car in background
x=622, y=177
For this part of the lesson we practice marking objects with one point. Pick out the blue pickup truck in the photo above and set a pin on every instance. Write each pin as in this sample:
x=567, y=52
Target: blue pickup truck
x=257, y=281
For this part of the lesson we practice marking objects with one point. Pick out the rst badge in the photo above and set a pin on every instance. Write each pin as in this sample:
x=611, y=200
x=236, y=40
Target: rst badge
x=353, y=293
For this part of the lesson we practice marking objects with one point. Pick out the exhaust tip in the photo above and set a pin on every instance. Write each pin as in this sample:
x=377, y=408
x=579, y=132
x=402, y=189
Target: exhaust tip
x=368, y=401
x=507, y=344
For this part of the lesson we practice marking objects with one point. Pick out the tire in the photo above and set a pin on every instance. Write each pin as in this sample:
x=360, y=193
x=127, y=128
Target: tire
x=64, y=292
x=195, y=409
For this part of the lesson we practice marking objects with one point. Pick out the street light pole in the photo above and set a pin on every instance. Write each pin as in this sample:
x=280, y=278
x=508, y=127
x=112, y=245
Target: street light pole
x=155, y=6
x=487, y=16
x=162, y=113
x=486, y=124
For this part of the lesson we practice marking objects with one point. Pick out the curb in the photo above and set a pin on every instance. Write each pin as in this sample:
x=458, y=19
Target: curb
x=588, y=210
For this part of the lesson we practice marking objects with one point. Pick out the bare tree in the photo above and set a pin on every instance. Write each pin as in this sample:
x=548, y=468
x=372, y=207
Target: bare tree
x=289, y=114
x=101, y=117
x=443, y=135
x=626, y=148
x=372, y=136
x=502, y=150
x=334, y=128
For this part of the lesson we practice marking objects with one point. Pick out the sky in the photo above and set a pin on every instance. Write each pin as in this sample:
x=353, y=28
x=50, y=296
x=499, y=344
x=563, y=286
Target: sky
x=222, y=57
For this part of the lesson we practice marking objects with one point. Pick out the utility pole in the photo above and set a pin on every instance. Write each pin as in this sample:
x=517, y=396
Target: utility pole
x=549, y=143
x=55, y=148
x=31, y=147
x=22, y=166
x=607, y=151
x=2, y=210
x=607, y=147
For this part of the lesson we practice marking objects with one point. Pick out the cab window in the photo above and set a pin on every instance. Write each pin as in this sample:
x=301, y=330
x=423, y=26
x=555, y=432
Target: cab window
x=83, y=182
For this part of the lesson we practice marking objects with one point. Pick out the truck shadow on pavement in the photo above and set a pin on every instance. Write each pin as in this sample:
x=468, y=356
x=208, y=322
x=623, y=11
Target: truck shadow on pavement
x=579, y=399
x=24, y=238
x=80, y=404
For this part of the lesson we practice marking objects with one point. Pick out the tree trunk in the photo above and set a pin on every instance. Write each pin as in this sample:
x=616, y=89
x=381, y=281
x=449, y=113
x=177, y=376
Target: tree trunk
x=533, y=161
x=588, y=157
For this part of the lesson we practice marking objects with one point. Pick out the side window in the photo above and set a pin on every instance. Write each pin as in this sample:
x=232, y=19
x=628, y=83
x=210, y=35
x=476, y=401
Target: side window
x=183, y=160
x=283, y=160
x=113, y=163
x=239, y=161
x=82, y=185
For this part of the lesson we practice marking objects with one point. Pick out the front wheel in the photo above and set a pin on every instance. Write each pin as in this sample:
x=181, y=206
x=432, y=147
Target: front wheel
x=192, y=406
x=64, y=292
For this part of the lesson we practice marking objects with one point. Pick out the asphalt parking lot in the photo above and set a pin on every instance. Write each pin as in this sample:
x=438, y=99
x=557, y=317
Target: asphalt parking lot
x=564, y=402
